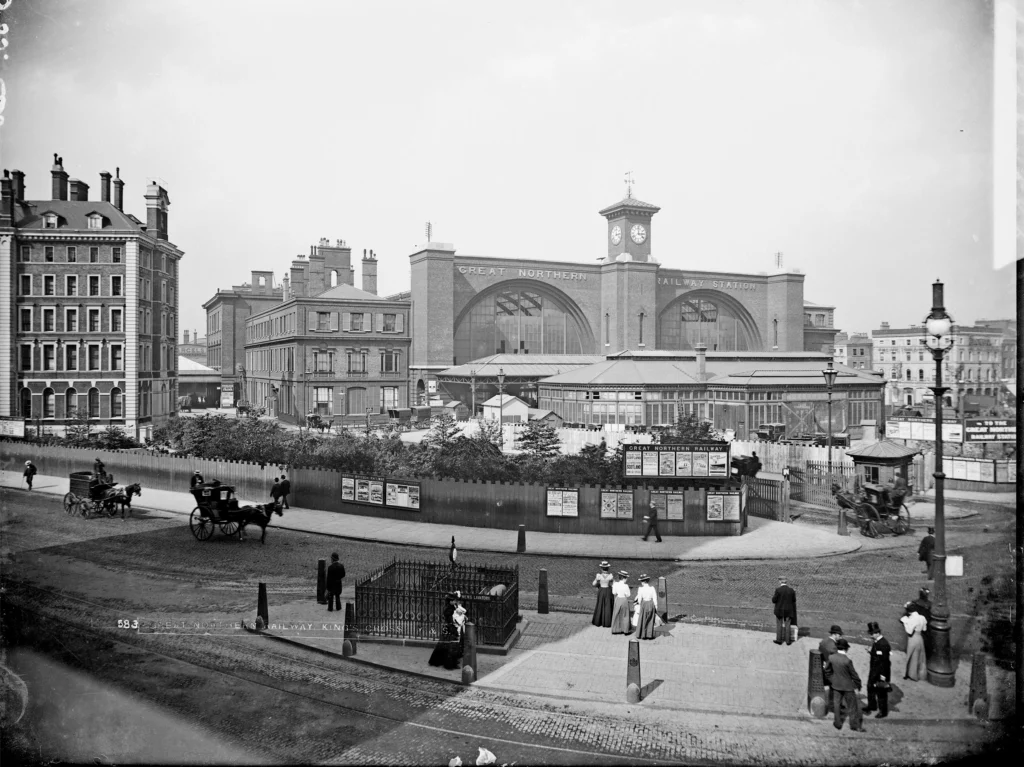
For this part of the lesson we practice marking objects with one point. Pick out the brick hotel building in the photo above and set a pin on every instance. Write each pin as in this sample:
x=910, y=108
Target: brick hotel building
x=88, y=306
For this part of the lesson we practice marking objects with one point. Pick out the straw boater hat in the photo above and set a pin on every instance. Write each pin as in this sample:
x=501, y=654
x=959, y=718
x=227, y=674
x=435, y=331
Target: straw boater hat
x=623, y=574
x=605, y=565
x=644, y=577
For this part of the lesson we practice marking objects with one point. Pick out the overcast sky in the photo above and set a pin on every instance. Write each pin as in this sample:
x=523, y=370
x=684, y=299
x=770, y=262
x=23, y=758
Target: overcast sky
x=854, y=137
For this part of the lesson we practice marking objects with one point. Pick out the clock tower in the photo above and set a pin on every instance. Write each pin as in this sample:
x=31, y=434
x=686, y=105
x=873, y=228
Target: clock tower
x=629, y=229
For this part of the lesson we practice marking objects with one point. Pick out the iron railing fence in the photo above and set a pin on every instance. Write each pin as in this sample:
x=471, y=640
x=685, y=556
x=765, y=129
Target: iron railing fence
x=406, y=598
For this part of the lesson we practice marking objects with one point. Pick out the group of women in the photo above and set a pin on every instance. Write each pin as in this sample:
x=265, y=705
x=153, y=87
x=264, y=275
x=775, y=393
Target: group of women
x=448, y=651
x=619, y=610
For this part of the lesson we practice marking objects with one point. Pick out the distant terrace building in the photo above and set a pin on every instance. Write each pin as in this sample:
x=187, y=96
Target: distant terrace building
x=819, y=328
x=89, y=294
x=194, y=349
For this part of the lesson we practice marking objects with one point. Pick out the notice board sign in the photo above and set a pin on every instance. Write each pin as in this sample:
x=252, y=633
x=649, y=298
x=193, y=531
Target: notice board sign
x=723, y=507
x=563, y=502
x=617, y=504
x=705, y=460
x=403, y=495
x=990, y=430
x=367, y=490
x=11, y=427
x=922, y=429
x=669, y=505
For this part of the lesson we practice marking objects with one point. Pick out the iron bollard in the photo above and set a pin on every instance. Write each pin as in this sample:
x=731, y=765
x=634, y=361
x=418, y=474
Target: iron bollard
x=842, y=522
x=977, y=695
x=521, y=543
x=662, y=599
x=633, y=672
x=262, y=610
x=321, y=581
x=816, y=696
x=348, y=645
x=542, y=592
x=469, y=655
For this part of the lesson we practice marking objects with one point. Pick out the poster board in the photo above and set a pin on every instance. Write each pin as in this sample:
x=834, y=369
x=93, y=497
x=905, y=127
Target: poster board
x=376, y=491
x=563, y=502
x=990, y=430
x=723, y=507
x=670, y=505
x=403, y=495
x=710, y=460
x=348, y=488
x=617, y=504
x=12, y=428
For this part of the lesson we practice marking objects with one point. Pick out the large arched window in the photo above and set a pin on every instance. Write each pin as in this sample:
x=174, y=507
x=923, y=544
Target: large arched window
x=26, y=403
x=520, y=319
x=70, y=403
x=116, y=403
x=49, y=404
x=706, y=317
x=94, y=402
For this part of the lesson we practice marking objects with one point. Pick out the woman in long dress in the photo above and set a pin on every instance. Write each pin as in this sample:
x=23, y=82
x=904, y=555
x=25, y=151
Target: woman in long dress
x=620, y=608
x=647, y=604
x=915, y=625
x=448, y=651
x=603, y=608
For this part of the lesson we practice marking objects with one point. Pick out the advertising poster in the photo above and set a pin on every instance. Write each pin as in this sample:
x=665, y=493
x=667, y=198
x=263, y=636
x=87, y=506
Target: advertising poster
x=609, y=505
x=348, y=489
x=675, y=507
x=403, y=496
x=625, y=506
x=650, y=464
x=392, y=495
x=634, y=463
x=988, y=471
x=684, y=464
x=414, y=496
x=12, y=427
x=376, y=491
x=667, y=464
x=973, y=471
x=700, y=464
x=1011, y=471
x=660, y=500
x=716, y=507
x=554, y=503
x=957, y=469
x=731, y=504
x=570, y=503
x=892, y=430
x=718, y=464
x=363, y=490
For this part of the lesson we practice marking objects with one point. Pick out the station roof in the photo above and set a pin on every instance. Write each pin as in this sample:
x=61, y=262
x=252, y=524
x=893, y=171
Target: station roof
x=521, y=365
x=349, y=292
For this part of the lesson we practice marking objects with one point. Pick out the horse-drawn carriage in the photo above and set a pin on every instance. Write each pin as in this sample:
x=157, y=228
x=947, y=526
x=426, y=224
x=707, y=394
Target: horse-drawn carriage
x=878, y=510
x=93, y=494
x=216, y=506
x=318, y=422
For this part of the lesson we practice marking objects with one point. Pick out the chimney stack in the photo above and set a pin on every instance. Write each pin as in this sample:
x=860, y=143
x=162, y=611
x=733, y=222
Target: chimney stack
x=19, y=184
x=105, y=186
x=7, y=205
x=157, y=203
x=118, y=191
x=702, y=373
x=59, y=179
x=79, y=191
x=185, y=340
x=370, y=273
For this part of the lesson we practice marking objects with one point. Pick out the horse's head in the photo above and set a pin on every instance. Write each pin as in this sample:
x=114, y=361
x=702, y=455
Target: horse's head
x=134, y=489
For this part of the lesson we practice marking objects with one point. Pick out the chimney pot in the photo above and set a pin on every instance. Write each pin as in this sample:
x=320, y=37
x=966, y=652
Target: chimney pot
x=118, y=190
x=105, y=186
x=59, y=185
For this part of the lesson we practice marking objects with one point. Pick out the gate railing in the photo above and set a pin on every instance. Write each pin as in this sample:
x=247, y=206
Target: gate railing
x=406, y=599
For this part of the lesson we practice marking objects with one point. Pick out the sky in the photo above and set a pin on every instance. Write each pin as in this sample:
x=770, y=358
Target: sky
x=853, y=137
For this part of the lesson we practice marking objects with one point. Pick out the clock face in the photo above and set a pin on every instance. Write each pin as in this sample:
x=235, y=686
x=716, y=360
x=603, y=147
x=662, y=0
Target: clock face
x=638, y=233
x=616, y=235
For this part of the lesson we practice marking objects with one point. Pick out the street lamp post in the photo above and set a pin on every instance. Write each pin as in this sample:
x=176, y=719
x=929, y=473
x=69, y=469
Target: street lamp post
x=830, y=374
x=472, y=380
x=368, y=411
x=939, y=341
x=501, y=406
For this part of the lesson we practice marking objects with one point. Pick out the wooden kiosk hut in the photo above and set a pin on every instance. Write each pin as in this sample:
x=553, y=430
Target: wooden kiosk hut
x=881, y=462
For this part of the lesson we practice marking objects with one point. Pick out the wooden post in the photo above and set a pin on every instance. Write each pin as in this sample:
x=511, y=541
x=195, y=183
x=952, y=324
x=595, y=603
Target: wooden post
x=348, y=646
x=469, y=655
x=633, y=672
x=262, y=610
x=662, y=599
x=542, y=592
x=521, y=543
x=321, y=581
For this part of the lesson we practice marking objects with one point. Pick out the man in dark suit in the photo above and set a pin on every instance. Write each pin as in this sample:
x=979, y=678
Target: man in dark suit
x=926, y=553
x=197, y=479
x=275, y=491
x=879, y=673
x=827, y=648
x=785, y=612
x=652, y=523
x=286, y=489
x=845, y=684
x=335, y=574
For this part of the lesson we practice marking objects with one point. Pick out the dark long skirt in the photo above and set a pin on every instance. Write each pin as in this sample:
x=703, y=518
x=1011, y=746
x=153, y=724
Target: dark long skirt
x=645, y=624
x=620, y=616
x=603, y=608
x=447, y=652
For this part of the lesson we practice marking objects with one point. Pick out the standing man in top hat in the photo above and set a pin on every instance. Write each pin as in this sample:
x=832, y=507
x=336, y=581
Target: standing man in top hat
x=827, y=648
x=879, y=673
x=335, y=574
x=286, y=489
x=845, y=684
x=785, y=612
x=926, y=553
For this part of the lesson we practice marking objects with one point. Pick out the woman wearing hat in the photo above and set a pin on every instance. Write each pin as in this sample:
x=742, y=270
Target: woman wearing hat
x=603, y=608
x=620, y=609
x=448, y=651
x=915, y=625
x=647, y=603
x=29, y=473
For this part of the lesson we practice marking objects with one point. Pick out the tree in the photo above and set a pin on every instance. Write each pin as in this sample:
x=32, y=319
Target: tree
x=539, y=439
x=443, y=430
x=488, y=432
x=688, y=429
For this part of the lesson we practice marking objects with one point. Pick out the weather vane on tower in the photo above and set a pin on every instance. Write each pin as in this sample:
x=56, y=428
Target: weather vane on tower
x=629, y=183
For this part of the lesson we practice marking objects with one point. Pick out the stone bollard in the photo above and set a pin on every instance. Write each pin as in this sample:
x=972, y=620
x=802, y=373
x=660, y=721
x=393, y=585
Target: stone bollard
x=542, y=592
x=348, y=646
x=469, y=655
x=842, y=523
x=521, y=543
x=817, y=702
x=262, y=610
x=321, y=581
x=662, y=599
x=633, y=672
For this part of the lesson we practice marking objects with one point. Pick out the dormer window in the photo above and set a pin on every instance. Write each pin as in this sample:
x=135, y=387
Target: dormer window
x=95, y=221
x=50, y=221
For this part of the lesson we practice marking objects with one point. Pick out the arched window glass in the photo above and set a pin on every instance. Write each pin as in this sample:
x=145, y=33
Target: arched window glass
x=700, y=320
x=49, y=404
x=116, y=404
x=70, y=403
x=94, y=402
